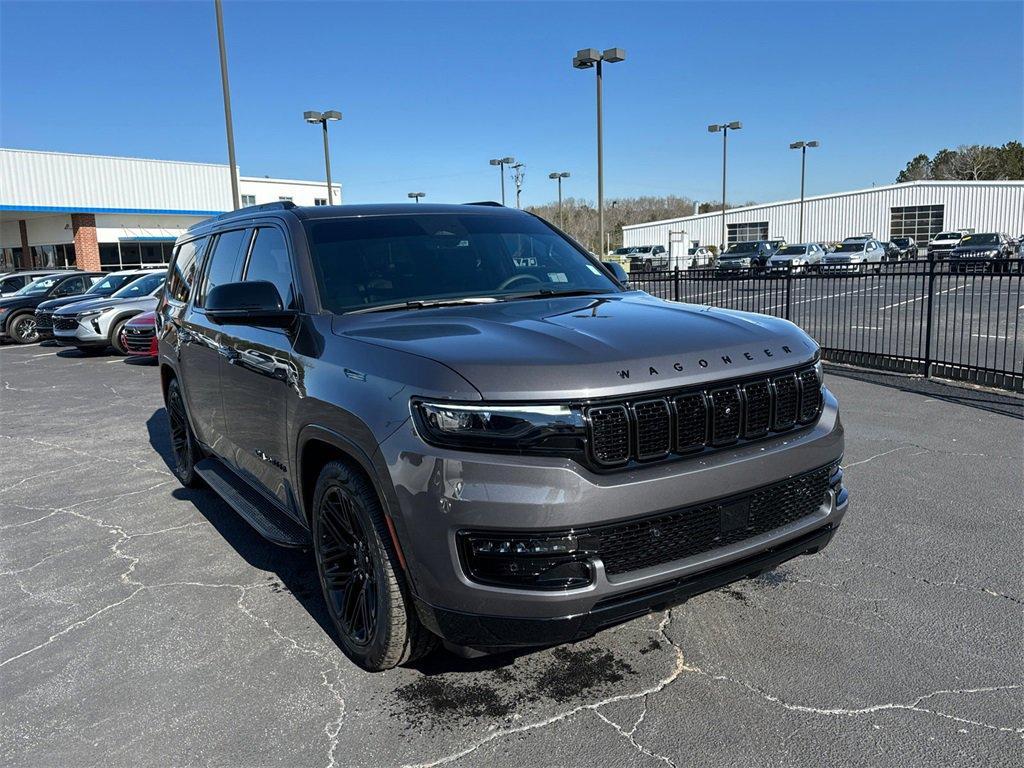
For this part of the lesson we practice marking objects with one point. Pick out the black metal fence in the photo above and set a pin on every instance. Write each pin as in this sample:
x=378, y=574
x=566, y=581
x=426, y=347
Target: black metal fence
x=954, y=320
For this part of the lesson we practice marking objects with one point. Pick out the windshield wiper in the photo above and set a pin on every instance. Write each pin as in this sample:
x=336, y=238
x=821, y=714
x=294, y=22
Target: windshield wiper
x=424, y=304
x=545, y=293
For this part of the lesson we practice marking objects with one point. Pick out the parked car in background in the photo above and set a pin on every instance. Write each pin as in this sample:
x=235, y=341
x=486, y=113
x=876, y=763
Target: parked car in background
x=12, y=282
x=854, y=254
x=138, y=335
x=372, y=421
x=645, y=258
x=700, y=257
x=944, y=242
x=114, y=281
x=18, y=312
x=985, y=251
x=890, y=251
x=907, y=247
x=800, y=257
x=748, y=255
x=95, y=325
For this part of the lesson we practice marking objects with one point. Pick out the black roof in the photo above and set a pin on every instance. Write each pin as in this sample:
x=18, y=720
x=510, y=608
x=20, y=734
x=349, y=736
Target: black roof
x=311, y=212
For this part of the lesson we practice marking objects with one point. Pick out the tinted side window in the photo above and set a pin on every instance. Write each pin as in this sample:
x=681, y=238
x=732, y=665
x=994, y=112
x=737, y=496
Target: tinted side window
x=11, y=284
x=224, y=260
x=183, y=269
x=268, y=260
x=71, y=287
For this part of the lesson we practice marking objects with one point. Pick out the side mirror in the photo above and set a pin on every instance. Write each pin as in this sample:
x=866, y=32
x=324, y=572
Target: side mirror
x=616, y=269
x=249, y=303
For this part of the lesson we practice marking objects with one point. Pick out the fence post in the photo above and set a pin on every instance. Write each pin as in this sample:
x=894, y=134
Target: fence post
x=928, y=320
x=675, y=284
x=789, y=289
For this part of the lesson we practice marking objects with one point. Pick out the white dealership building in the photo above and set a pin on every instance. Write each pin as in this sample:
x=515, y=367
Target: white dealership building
x=98, y=212
x=919, y=209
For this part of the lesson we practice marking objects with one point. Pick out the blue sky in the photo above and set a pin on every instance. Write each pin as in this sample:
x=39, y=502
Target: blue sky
x=430, y=91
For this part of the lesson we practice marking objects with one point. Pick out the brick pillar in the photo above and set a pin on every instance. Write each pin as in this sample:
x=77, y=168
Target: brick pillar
x=26, y=253
x=87, y=249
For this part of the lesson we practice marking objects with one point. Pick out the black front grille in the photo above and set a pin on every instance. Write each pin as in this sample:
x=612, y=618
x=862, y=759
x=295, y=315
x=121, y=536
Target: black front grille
x=44, y=320
x=652, y=428
x=690, y=531
x=65, y=323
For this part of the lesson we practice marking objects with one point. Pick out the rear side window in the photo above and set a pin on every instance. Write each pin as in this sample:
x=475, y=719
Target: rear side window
x=71, y=287
x=11, y=284
x=182, y=273
x=268, y=260
x=224, y=261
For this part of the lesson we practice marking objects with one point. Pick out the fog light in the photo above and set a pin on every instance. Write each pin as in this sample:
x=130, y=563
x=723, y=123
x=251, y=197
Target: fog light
x=556, y=561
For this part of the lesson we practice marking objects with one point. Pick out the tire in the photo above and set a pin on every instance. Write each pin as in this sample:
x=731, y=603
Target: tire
x=115, y=336
x=184, y=447
x=360, y=575
x=22, y=328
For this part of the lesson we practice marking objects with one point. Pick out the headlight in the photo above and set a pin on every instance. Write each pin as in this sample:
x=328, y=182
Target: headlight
x=93, y=313
x=530, y=428
x=819, y=369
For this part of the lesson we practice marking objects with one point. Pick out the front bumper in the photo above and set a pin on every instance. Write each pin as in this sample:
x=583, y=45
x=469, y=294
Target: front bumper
x=84, y=334
x=441, y=493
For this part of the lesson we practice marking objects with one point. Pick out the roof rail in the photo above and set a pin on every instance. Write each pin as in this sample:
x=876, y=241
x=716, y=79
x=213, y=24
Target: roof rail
x=279, y=205
x=486, y=202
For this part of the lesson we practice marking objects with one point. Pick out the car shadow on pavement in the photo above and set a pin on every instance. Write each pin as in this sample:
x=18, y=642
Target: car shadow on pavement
x=1005, y=404
x=294, y=568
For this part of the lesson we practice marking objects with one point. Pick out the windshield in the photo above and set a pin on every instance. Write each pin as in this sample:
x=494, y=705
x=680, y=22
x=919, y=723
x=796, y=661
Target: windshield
x=111, y=283
x=988, y=238
x=623, y=251
x=39, y=287
x=851, y=247
x=902, y=242
x=141, y=287
x=948, y=236
x=383, y=260
x=741, y=249
x=793, y=250
x=641, y=249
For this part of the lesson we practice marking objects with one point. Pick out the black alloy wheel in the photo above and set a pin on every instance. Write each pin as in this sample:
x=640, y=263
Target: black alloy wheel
x=361, y=576
x=183, y=444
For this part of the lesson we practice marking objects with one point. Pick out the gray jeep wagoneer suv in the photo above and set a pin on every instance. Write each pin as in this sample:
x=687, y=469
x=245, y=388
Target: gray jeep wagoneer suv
x=482, y=434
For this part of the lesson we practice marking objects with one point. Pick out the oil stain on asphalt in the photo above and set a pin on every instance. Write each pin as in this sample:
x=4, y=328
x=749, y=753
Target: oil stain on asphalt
x=564, y=675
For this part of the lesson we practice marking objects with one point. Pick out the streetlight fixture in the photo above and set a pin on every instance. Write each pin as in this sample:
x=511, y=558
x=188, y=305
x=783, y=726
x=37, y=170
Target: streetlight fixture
x=417, y=195
x=802, y=146
x=323, y=118
x=587, y=58
x=501, y=162
x=558, y=176
x=735, y=125
x=518, y=174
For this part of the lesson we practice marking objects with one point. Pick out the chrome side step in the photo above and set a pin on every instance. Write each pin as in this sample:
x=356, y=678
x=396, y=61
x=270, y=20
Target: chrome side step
x=271, y=522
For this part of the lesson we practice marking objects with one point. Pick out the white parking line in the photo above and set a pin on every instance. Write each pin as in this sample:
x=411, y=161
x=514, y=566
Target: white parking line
x=45, y=354
x=823, y=298
x=919, y=298
x=988, y=336
x=868, y=327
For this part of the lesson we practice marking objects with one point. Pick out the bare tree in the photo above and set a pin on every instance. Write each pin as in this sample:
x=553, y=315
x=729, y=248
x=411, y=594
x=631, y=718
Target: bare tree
x=973, y=162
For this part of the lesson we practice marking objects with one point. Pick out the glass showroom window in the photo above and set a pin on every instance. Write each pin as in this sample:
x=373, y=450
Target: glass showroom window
x=744, y=233
x=921, y=222
x=56, y=256
x=248, y=200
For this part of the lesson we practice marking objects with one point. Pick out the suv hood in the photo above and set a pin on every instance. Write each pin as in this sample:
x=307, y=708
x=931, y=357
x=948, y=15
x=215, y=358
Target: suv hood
x=51, y=305
x=592, y=346
x=149, y=302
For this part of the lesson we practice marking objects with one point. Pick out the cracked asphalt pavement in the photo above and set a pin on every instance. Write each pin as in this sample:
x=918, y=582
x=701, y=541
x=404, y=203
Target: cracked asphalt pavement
x=142, y=623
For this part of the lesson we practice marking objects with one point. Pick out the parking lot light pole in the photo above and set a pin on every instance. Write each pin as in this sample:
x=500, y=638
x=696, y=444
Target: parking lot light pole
x=501, y=162
x=802, y=146
x=417, y=195
x=735, y=125
x=323, y=117
x=558, y=176
x=591, y=58
x=235, y=199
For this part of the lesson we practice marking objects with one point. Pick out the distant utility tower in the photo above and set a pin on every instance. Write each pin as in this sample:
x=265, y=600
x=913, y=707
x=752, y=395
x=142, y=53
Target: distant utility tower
x=518, y=174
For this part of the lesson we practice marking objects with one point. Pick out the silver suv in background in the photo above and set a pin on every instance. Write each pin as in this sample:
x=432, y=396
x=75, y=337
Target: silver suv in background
x=855, y=254
x=800, y=257
x=939, y=247
x=95, y=325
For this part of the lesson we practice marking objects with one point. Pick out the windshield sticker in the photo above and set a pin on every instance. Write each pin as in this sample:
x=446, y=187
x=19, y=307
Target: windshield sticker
x=557, y=277
x=593, y=269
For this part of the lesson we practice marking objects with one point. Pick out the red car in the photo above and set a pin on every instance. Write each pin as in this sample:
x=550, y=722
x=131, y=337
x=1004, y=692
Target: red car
x=138, y=337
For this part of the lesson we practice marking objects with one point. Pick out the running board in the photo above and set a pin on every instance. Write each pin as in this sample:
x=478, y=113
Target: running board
x=271, y=522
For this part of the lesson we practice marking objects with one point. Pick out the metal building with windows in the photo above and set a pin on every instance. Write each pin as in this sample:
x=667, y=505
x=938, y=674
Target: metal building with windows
x=99, y=212
x=919, y=209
